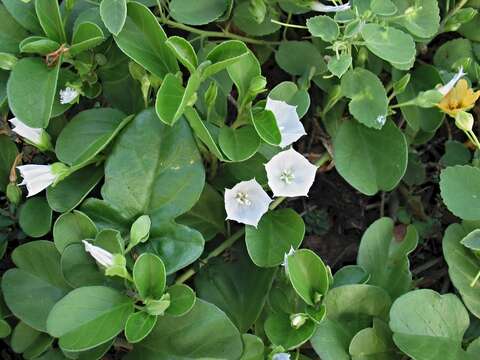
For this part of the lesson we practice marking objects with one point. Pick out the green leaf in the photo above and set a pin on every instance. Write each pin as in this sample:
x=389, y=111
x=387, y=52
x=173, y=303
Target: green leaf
x=143, y=39
x=435, y=334
x=290, y=93
x=390, y=44
x=463, y=266
x=346, y=316
x=324, y=27
x=24, y=14
x=460, y=190
x=35, y=217
x=424, y=77
x=349, y=275
x=177, y=245
x=280, y=332
x=224, y=55
x=383, y=7
x=79, y=268
x=69, y=193
x=239, y=144
x=200, y=12
x=277, y=232
x=289, y=52
x=182, y=299
x=208, y=215
x=88, y=133
x=253, y=348
x=149, y=276
x=89, y=316
x=373, y=343
x=32, y=289
x=87, y=35
x=31, y=90
x=243, y=72
x=266, y=126
x=138, y=326
x=370, y=160
x=114, y=14
x=72, y=228
x=369, y=101
x=38, y=45
x=8, y=153
x=339, y=65
x=237, y=287
x=422, y=19
x=184, y=52
x=154, y=169
x=385, y=257
x=48, y=13
x=204, y=332
x=472, y=240
x=173, y=98
x=243, y=19
x=11, y=33
x=105, y=216
x=5, y=329
x=308, y=275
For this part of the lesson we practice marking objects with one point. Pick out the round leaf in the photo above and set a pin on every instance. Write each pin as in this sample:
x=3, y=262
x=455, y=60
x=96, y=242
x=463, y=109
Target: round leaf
x=89, y=316
x=114, y=14
x=460, y=190
x=289, y=52
x=138, y=326
x=370, y=160
x=239, y=144
x=199, y=12
x=35, y=217
x=182, y=299
x=79, y=268
x=72, y=228
x=324, y=27
x=280, y=332
x=149, y=276
x=277, y=232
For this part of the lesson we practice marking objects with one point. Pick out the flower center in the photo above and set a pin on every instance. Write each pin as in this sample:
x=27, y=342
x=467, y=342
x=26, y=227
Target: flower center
x=242, y=198
x=287, y=176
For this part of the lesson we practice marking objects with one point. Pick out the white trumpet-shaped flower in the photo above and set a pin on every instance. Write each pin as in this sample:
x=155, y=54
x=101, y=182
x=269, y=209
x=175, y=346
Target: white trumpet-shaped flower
x=290, y=174
x=246, y=202
x=34, y=136
x=445, y=89
x=68, y=95
x=102, y=256
x=318, y=6
x=38, y=177
x=281, y=356
x=288, y=121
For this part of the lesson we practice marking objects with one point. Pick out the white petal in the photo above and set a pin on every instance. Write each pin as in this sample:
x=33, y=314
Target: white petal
x=102, y=256
x=318, y=6
x=67, y=95
x=301, y=171
x=445, y=89
x=246, y=202
x=34, y=135
x=287, y=255
x=281, y=356
x=36, y=177
x=291, y=128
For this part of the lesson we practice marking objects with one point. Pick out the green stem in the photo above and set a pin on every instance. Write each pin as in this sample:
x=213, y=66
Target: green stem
x=217, y=34
x=472, y=284
x=288, y=25
x=406, y=103
x=452, y=12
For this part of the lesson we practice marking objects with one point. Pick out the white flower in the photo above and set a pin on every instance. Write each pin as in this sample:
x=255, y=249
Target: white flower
x=318, y=6
x=39, y=177
x=246, y=202
x=287, y=255
x=281, y=356
x=288, y=121
x=68, y=95
x=34, y=136
x=102, y=256
x=445, y=89
x=290, y=174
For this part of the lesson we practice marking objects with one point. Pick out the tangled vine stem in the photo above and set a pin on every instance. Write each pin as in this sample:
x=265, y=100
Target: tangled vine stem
x=238, y=234
x=217, y=34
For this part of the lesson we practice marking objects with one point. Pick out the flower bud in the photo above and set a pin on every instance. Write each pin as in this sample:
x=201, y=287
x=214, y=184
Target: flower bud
x=14, y=194
x=297, y=320
x=464, y=121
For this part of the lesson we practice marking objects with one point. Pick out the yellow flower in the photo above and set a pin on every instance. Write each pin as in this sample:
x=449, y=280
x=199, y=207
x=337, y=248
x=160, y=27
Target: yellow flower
x=460, y=98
